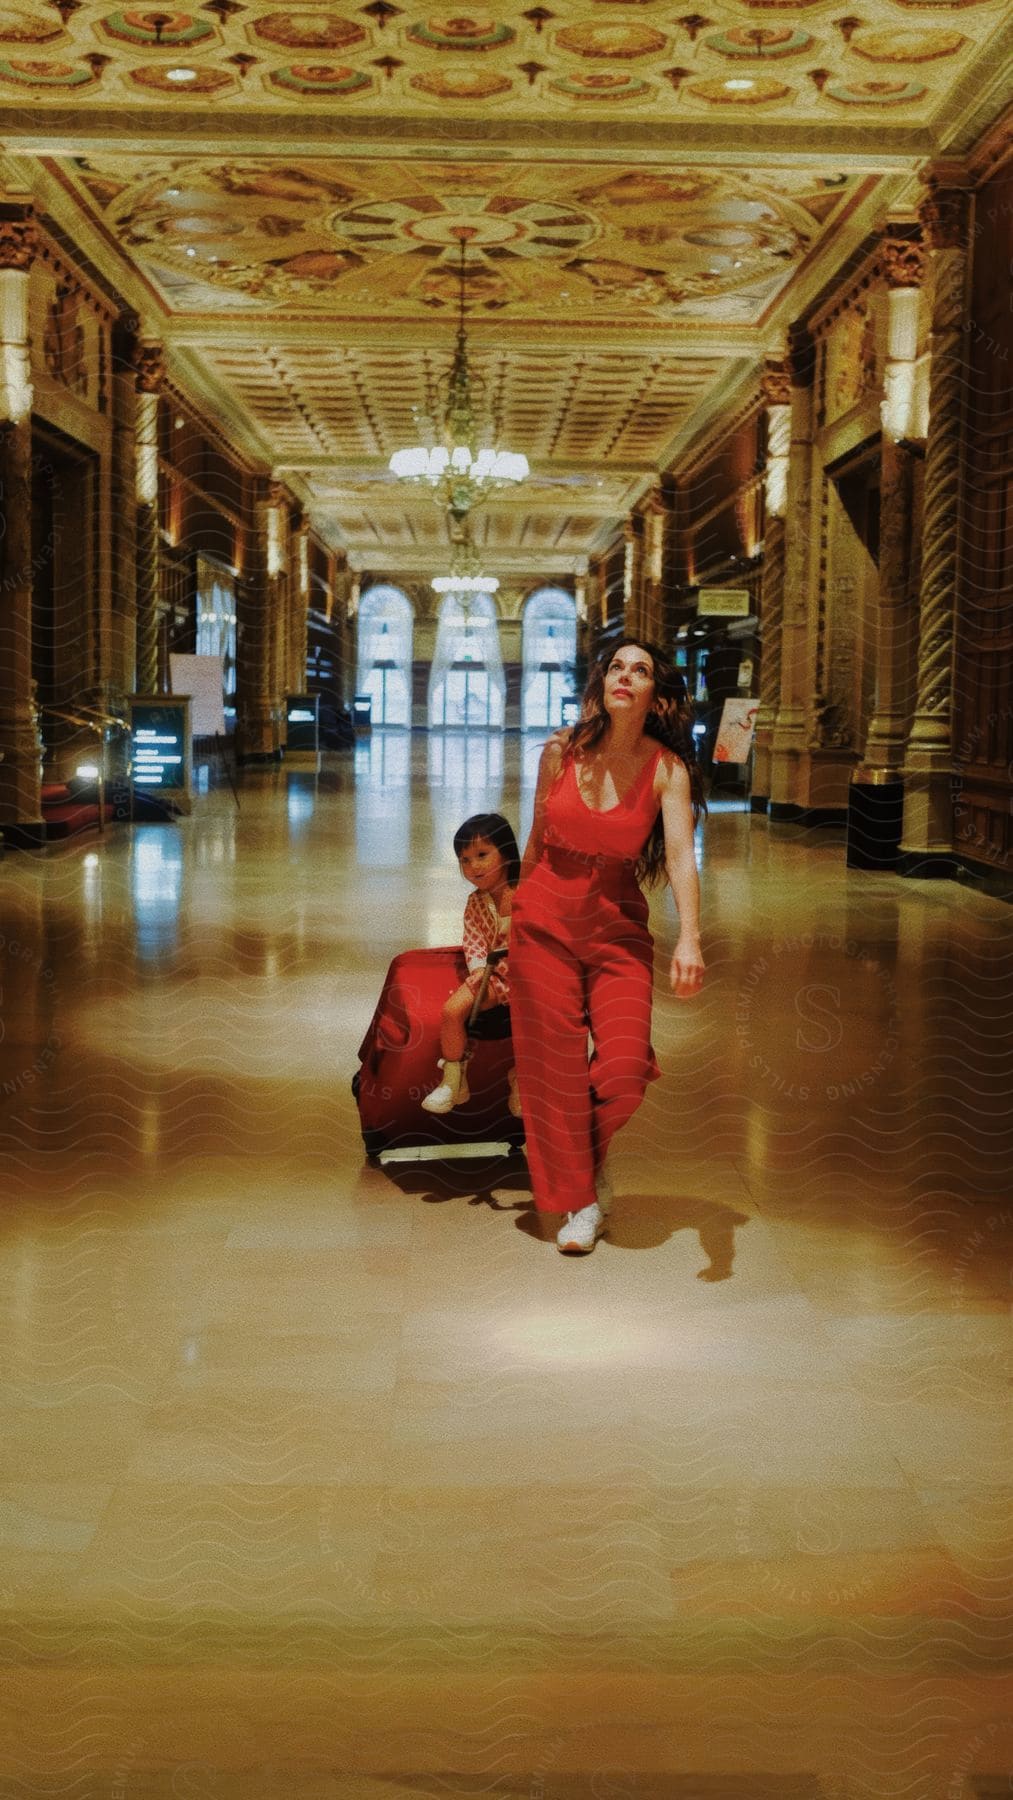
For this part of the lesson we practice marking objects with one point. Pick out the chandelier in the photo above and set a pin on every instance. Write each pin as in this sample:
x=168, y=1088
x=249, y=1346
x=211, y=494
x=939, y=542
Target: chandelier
x=454, y=457
x=465, y=575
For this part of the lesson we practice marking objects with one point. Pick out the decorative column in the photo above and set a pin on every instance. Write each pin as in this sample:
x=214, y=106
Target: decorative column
x=776, y=387
x=20, y=744
x=633, y=574
x=256, y=701
x=149, y=367
x=876, y=798
x=280, y=592
x=123, y=514
x=928, y=800
x=299, y=605
x=789, y=754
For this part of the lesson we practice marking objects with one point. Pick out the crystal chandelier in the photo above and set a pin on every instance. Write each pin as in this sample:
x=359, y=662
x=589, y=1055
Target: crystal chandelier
x=453, y=457
x=465, y=575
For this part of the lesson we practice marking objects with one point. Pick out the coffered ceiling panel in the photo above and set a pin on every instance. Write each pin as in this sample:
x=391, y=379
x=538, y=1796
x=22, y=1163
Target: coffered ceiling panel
x=343, y=406
x=647, y=197
x=577, y=56
x=361, y=240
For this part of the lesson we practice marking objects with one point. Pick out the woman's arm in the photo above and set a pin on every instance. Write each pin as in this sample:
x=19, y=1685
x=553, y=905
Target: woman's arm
x=548, y=772
x=680, y=867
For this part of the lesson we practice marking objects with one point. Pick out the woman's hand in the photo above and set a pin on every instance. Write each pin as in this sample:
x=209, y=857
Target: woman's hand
x=687, y=968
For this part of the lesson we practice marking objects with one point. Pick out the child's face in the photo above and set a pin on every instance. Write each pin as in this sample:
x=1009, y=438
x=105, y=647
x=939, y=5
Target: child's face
x=482, y=864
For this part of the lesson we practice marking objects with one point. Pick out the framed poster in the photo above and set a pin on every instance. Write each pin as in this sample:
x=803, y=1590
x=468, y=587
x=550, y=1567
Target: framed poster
x=735, y=732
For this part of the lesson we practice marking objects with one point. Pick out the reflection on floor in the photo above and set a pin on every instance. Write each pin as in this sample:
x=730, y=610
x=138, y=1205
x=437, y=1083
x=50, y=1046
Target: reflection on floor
x=323, y=1484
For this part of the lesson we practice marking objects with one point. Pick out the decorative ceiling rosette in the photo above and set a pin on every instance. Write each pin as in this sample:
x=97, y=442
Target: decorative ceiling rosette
x=17, y=27
x=622, y=41
x=320, y=78
x=874, y=93
x=461, y=84
x=443, y=31
x=759, y=91
x=907, y=45
x=602, y=87
x=759, y=41
x=309, y=31
x=151, y=26
x=22, y=73
x=501, y=225
x=202, y=81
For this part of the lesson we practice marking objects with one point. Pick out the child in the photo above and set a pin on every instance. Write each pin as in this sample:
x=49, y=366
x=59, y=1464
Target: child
x=487, y=851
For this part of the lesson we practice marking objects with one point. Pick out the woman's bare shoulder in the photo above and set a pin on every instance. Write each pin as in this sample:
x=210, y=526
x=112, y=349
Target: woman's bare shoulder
x=672, y=774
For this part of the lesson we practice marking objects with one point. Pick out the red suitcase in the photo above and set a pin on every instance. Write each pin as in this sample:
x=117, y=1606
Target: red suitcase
x=398, y=1058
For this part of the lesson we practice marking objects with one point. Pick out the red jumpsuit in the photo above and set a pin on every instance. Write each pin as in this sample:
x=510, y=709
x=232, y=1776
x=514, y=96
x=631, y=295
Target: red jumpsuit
x=582, y=958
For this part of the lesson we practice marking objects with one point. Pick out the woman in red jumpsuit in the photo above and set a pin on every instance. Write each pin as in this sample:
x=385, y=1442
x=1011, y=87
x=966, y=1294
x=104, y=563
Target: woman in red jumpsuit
x=616, y=804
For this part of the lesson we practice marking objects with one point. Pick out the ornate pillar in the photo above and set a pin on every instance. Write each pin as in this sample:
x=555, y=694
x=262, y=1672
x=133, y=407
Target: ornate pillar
x=20, y=745
x=928, y=801
x=633, y=575
x=776, y=387
x=299, y=605
x=149, y=373
x=122, y=670
x=876, y=796
x=789, y=753
x=256, y=699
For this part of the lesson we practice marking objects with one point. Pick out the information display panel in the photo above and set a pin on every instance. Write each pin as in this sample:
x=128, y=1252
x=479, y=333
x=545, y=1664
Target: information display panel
x=301, y=723
x=160, y=759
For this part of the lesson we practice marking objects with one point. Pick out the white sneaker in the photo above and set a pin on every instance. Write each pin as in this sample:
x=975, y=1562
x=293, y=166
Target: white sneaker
x=452, y=1091
x=582, y=1229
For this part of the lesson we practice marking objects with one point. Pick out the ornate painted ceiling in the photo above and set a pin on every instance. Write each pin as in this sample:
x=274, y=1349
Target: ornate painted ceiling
x=782, y=57
x=648, y=197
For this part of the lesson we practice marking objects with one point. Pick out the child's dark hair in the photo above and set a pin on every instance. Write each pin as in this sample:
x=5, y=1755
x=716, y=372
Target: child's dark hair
x=496, y=830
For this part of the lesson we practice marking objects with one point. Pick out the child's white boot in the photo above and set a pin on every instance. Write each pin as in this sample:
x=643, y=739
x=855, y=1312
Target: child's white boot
x=452, y=1091
x=514, y=1100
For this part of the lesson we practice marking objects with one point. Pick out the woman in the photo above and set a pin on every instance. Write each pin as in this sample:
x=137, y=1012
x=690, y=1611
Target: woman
x=616, y=804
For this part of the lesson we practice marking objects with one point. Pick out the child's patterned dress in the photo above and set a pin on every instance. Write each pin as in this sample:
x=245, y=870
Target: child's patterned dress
x=484, y=930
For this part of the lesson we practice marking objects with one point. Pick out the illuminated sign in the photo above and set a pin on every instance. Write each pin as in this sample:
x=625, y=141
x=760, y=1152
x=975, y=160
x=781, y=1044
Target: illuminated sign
x=728, y=603
x=301, y=733
x=160, y=744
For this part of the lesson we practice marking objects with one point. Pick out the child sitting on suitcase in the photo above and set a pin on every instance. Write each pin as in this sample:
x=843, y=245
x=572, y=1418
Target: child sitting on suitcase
x=487, y=851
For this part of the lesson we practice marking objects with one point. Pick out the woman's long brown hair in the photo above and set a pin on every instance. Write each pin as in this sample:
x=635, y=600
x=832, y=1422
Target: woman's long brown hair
x=670, y=721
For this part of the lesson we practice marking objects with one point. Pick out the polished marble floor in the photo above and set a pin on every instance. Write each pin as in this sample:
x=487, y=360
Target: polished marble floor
x=328, y=1483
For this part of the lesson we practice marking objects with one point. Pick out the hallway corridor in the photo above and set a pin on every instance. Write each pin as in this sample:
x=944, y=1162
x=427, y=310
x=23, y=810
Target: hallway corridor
x=329, y=1482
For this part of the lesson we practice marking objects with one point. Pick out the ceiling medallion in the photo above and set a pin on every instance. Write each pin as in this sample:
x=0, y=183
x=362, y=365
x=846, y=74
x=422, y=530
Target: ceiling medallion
x=142, y=25
x=455, y=457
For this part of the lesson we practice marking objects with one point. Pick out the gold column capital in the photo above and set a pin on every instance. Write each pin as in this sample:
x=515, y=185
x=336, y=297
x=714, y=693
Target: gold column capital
x=775, y=381
x=149, y=367
x=19, y=235
x=903, y=258
x=945, y=215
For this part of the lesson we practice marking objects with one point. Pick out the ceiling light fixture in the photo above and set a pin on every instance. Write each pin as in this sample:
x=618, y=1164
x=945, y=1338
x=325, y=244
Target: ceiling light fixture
x=739, y=84
x=465, y=575
x=456, y=456
x=180, y=75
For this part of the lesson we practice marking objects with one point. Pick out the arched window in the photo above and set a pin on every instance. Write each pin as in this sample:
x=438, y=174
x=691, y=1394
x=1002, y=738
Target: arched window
x=467, y=685
x=549, y=653
x=385, y=654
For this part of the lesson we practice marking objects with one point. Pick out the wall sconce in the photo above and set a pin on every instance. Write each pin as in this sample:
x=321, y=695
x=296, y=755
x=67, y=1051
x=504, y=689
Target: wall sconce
x=903, y=409
x=274, y=556
x=775, y=478
x=15, y=360
x=147, y=449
